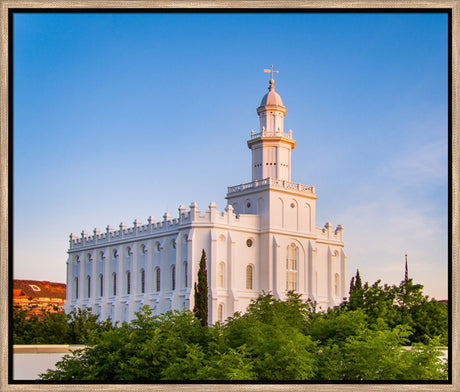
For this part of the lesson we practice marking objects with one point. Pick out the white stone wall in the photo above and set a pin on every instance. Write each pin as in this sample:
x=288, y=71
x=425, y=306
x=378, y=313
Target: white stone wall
x=231, y=240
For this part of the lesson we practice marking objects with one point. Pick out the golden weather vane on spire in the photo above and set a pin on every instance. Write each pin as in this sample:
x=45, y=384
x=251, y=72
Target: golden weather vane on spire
x=271, y=71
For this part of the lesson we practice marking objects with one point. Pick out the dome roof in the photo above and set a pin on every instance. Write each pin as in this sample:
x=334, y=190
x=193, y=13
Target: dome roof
x=272, y=98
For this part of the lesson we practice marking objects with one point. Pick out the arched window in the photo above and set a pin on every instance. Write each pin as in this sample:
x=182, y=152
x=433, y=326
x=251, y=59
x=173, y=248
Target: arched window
x=88, y=286
x=292, y=267
x=128, y=282
x=220, y=275
x=101, y=285
x=157, y=278
x=220, y=313
x=249, y=277
x=336, y=285
x=142, y=281
x=114, y=284
x=185, y=274
x=76, y=288
x=173, y=277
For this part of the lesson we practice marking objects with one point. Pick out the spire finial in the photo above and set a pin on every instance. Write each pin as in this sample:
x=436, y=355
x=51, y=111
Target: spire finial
x=272, y=82
x=406, y=272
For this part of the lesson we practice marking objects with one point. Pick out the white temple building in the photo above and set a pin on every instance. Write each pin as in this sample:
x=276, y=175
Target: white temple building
x=265, y=240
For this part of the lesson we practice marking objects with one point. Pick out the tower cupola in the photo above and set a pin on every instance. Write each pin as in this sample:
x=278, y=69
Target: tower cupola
x=271, y=146
x=271, y=110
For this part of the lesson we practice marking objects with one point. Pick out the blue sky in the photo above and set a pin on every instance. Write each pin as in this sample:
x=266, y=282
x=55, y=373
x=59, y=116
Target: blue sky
x=121, y=116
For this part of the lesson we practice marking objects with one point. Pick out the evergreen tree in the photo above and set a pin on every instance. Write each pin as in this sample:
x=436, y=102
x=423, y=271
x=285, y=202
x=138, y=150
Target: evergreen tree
x=356, y=292
x=201, y=292
x=358, y=284
x=355, y=283
x=352, y=285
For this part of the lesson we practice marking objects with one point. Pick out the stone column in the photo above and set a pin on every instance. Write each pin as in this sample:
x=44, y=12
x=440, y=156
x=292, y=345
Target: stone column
x=330, y=277
x=94, y=280
x=135, y=287
x=69, y=287
x=232, y=274
x=118, y=305
x=212, y=267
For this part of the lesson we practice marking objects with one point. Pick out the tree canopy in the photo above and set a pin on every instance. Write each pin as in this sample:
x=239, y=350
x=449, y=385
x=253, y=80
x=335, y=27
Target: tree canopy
x=56, y=328
x=380, y=332
x=401, y=305
x=273, y=340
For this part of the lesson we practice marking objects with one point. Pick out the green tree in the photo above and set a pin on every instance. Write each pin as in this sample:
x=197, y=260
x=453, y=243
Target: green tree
x=140, y=350
x=356, y=292
x=271, y=332
x=49, y=328
x=400, y=305
x=352, y=286
x=273, y=340
x=56, y=328
x=358, y=283
x=379, y=355
x=350, y=349
x=201, y=292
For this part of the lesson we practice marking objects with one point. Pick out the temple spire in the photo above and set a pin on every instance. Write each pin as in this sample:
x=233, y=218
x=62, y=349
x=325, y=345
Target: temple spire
x=271, y=146
x=406, y=273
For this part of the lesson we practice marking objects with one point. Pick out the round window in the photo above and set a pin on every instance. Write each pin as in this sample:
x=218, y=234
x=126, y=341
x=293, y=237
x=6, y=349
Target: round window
x=249, y=242
x=292, y=205
x=248, y=205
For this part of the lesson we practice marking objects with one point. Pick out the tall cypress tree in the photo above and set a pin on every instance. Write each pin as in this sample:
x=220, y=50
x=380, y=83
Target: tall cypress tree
x=358, y=283
x=352, y=285
x=201, y=292
x=356, y=292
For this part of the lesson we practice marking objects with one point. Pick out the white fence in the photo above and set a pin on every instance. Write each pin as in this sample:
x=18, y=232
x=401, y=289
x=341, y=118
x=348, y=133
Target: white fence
x=31, y=360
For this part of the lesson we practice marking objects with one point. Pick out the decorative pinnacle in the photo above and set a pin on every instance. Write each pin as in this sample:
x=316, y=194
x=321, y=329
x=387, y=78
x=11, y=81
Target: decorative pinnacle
x=272, y=82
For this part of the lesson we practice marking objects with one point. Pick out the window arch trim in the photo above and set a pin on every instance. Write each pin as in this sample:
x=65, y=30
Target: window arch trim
x=292, y=267
x=220, y=312
x=101, y=285
x=249, y=277
x=157, y=279
x=221, y=275
x=142, y=281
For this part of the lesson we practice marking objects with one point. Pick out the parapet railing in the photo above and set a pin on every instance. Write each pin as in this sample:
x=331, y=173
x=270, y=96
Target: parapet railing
x=271, y=181
x=266, y=133
x=139, y=230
